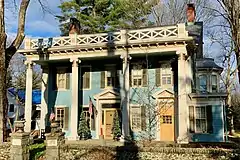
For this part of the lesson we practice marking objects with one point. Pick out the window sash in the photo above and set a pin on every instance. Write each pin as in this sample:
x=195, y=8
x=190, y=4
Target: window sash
x=86, y=77
x=214, y=83
x=200, y=119
x=166, y=74
x=203, y=83
x=136, y=118
x=60, y=116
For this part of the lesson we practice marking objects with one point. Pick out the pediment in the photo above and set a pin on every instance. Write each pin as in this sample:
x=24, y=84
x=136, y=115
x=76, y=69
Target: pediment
x=165, y=93
x=107, y=94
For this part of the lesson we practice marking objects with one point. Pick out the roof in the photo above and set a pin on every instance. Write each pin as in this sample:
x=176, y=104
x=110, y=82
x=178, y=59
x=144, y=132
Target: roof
x=207, y=63
x=36, y=95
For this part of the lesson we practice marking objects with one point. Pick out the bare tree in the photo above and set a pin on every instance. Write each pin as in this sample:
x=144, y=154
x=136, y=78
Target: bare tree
x=172, y=12
x=6, y=54
x=152, y=109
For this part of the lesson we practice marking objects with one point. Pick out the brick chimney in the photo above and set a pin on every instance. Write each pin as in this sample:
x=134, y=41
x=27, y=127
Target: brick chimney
x=191, y=13
x=74, y=27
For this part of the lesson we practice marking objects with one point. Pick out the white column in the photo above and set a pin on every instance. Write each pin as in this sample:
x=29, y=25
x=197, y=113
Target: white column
x=44, y=97
x=74, y=107
x=28, y=97
x=182, y=98
x=126, y=96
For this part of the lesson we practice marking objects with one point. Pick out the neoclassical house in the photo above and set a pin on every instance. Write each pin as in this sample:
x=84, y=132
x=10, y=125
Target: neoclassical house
x=120, y=71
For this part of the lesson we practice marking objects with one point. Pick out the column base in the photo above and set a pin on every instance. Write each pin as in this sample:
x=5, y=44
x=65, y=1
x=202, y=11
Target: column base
x=183, y=140
x=73, y=138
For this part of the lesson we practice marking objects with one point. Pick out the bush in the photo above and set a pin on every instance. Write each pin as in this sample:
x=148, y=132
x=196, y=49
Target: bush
x=36, y=151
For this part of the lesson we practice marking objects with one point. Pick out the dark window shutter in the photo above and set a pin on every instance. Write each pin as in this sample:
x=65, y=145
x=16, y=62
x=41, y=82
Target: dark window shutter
x=191, y=119
x=209, y=119
x=54, y=80
x=66, y=118
x=158, y=76
x=130, y=78
x=117, y=79
x=102, y=79
x=143, y=118
x=144, y=78
x=67, y=80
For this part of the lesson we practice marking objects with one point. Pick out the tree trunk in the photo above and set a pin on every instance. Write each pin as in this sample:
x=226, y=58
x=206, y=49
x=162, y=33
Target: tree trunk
x=3, y=89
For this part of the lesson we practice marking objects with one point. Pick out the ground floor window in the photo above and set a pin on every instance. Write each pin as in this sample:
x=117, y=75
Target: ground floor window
x=62, y=116
x=137, y=118
x=200, y=119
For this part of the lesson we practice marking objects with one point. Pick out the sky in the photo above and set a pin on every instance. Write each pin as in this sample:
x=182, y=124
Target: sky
x=38, y=22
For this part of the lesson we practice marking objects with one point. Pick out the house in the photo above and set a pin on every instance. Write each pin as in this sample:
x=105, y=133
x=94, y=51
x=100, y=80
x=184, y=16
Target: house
x=16, y=100
x=15, y=107
x=157, y=71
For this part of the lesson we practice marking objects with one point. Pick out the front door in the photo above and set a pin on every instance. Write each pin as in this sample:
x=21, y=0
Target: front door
x=167, y=123
x=109, y=123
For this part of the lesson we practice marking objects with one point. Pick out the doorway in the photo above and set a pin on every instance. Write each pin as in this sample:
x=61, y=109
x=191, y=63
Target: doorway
x=108, y=113
x=167, y=123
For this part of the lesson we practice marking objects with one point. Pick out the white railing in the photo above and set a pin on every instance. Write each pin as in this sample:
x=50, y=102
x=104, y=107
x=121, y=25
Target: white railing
x=121, y=38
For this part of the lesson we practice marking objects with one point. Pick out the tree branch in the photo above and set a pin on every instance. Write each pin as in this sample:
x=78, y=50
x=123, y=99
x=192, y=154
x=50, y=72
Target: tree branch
x=21, y=27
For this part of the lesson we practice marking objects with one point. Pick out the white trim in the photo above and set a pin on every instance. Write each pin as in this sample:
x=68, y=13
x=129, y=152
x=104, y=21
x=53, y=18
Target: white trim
x=116, y=95
x=158, y=93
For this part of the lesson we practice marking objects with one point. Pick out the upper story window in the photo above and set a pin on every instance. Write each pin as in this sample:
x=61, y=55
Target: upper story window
x=138, y=76
x=214, y=83
x=164, y=75
x=207, y=83
x=86, y=78
x=62, y=78
x=203, y=83
x=109, y=77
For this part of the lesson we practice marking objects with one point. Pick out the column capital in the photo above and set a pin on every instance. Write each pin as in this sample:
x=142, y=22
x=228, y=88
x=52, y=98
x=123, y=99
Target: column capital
x=29, y=63
x=75, y=61
x=125, y=57
x=182, y=53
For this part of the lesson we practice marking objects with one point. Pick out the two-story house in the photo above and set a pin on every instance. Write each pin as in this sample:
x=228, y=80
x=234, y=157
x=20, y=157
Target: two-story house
x=130, y=71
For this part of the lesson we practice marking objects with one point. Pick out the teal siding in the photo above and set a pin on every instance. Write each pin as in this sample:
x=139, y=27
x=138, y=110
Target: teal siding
x=218, y=127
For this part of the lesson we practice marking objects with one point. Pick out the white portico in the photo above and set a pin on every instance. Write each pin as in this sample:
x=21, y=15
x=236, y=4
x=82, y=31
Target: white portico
x=125, y=45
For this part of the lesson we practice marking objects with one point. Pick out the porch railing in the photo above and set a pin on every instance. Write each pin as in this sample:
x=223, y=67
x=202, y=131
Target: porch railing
x=122, y=37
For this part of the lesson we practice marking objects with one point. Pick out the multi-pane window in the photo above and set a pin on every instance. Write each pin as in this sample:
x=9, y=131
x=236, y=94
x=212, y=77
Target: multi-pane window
x=166, y=74
x=136, y=118
x=214, y=83
x=62, y=117
x=203, y=83
x=89, y=118
x=86, y=77
x=61, y=78
x=11, y=108
x=137, y=75
x=167, y=119
x=201, y=119
x=111, y=76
